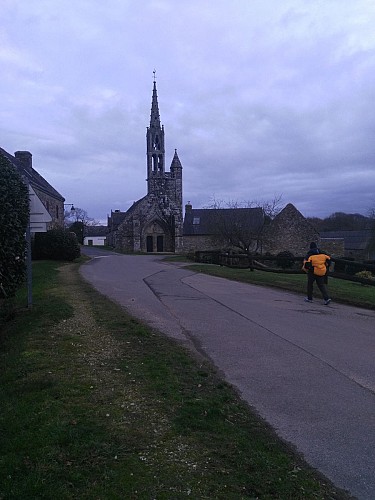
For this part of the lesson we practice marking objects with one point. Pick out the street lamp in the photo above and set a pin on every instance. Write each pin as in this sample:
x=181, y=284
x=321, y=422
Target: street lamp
x=70, y=205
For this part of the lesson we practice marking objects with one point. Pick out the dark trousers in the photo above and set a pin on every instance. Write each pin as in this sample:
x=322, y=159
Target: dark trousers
x=320, y=281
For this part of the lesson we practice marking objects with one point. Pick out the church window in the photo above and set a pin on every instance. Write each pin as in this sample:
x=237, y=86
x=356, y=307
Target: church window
x=196, y=220
x=154, y=163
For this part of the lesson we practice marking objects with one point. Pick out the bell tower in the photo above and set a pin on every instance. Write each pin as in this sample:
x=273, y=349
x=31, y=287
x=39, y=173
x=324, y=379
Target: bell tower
x=155, y=145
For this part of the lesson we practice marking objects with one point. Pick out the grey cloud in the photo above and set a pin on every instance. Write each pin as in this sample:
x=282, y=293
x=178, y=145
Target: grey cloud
x=259, y=98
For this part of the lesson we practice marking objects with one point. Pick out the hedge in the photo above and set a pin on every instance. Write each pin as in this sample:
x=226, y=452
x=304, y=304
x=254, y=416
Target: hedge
x=14, y=216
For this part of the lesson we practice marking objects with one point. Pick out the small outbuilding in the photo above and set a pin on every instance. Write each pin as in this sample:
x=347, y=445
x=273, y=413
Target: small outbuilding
x=95, y=236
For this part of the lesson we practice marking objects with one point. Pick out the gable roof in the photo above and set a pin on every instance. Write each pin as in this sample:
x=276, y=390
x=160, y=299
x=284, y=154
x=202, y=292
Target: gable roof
x=290, y=212
x=292, y=217
x=204, y=221
x=32, y=176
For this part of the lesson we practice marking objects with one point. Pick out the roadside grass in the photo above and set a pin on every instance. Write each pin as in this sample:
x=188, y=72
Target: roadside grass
x=94, y=404
x=343, y=291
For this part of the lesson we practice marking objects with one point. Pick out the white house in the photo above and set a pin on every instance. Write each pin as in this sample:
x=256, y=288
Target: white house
x=95, y=235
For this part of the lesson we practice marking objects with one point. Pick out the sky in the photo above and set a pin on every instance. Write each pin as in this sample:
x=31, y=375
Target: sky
x=261, y=98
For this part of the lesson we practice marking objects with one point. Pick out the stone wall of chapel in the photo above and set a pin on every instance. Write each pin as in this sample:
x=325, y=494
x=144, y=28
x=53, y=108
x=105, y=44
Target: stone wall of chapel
x=124, y=239
x=147, y=220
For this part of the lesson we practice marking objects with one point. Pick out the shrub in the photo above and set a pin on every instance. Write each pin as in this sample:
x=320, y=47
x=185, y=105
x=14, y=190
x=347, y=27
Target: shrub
x=365, y=275
x=285, y=260
x=14, y=216
x=56, y=244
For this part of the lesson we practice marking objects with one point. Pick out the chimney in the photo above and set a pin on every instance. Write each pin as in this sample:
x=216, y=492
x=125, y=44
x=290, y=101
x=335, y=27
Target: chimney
x=188, y=207
x=26, y=158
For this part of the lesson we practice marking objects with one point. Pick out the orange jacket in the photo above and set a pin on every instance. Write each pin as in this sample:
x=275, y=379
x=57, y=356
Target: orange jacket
x=318, y=263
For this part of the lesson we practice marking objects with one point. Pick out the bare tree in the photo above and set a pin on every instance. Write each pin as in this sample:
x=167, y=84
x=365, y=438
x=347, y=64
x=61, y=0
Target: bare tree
x=79, y=215
x=77, y=220
x=272, y=207
x=239, y=227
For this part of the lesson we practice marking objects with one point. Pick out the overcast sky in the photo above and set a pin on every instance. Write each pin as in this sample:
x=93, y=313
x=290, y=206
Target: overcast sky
x=261, y=98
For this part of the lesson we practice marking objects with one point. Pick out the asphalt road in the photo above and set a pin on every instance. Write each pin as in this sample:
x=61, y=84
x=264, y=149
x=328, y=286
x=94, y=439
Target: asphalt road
x=308, y=369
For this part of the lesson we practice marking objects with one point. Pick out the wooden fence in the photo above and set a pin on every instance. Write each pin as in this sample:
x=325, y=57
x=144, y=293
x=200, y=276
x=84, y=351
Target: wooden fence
x=340, y=268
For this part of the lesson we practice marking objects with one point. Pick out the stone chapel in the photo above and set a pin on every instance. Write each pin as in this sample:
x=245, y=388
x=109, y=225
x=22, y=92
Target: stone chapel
x=155, y=222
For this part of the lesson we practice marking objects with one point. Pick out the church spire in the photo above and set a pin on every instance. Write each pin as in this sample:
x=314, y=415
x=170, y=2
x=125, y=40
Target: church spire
x=155, y=142
x=155, y=116
x=176, y=161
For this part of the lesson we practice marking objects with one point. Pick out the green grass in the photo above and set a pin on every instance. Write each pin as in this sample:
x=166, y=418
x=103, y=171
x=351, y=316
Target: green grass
x=94, y=404
x=343, y=291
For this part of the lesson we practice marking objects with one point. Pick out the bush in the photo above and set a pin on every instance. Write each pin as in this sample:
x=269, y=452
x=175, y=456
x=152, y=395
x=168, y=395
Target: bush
x=285, y=260
x=56, y=244
x=14, y=216
x=367, y=275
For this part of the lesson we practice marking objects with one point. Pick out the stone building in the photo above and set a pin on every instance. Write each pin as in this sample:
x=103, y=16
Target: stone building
x=208, y=229
x=113, y=222
x=289, y=231
x=153, y=223
x=51, y=199
x=95, y=235
x=214, y=229
x=350, y=244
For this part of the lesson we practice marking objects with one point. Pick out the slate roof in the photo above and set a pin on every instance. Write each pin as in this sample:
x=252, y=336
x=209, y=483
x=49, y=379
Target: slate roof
x=353, y=240
x=95, y=231
x=204, y=221
x=34, y=178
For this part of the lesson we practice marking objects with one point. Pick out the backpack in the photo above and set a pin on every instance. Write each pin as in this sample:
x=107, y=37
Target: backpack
x=319, y=264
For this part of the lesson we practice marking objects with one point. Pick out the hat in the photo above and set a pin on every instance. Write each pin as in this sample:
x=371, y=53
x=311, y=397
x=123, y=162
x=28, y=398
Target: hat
x=313, y=245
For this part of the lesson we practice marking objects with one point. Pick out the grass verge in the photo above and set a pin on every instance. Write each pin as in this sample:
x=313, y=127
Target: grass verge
x=343, y=291
x=96, y=405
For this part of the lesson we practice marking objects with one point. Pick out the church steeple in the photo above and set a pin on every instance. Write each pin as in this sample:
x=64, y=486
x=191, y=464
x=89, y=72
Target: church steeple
x=155, y=142
x=176, y=164
x=155, y=116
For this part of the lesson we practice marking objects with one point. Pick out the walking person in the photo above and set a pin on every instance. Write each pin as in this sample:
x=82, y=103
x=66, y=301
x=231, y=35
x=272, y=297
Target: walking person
x=316, y=264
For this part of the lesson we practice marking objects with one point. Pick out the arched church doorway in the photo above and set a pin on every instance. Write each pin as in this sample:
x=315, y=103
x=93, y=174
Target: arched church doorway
x=157, y=238
x=150, y=244
x=160, y=243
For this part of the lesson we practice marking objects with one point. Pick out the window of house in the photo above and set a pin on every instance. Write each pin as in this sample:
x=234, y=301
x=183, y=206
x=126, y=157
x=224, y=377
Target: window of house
x=196, y=220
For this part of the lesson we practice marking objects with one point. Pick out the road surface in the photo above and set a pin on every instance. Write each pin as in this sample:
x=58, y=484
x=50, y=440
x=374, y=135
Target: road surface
x=308, y=369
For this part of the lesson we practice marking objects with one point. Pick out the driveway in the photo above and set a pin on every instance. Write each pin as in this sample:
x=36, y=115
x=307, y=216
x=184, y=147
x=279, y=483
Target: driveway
x=308, y=369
